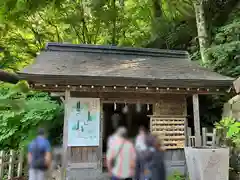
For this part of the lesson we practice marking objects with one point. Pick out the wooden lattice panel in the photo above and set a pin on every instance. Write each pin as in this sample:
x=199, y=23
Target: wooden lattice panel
x=171, y=130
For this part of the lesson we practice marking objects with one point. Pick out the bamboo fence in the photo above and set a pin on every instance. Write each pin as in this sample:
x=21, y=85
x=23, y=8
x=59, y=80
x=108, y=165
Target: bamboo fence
x=11, y=165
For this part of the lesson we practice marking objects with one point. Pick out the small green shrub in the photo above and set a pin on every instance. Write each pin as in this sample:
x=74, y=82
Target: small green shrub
x=228, y=130
x=176, y=175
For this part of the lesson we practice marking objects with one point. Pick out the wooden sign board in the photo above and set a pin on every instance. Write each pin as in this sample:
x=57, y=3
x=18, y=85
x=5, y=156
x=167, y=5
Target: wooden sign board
x=171, y=130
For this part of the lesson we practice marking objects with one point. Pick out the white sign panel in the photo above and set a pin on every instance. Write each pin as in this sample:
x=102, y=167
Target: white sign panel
x=83, y=122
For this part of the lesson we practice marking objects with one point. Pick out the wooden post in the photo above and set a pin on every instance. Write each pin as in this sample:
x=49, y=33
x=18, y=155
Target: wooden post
x=197, y=128
x=186, y=122
x=20, y=163
x=189, y=134
x=11, y=164
x=204, y=136
x=100, y=163
x=186, y=132
x=1, y=164
x=65, y=136
x=214, y=143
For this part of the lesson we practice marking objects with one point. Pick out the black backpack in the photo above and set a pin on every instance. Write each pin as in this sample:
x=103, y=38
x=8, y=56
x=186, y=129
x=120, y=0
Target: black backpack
x=38, y=157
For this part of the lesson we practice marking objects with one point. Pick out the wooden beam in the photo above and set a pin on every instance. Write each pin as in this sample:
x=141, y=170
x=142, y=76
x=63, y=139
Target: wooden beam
x=196, y=115
x=83, y=165
x=57, y=94
x=146, y=90
x=65, y=136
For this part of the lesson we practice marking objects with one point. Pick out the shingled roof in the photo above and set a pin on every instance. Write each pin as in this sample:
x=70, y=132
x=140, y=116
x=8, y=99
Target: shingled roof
x=110, y=65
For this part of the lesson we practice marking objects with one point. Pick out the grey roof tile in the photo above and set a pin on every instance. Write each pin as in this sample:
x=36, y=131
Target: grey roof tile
x=108, y=61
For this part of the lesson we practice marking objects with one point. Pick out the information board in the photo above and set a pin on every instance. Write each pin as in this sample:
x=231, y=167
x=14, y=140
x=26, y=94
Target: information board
x=83, y=121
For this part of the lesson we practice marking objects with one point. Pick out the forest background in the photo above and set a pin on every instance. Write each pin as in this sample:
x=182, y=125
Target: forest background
x=208, y=29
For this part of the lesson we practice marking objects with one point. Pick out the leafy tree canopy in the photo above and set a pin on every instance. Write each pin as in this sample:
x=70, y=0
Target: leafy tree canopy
x=224, y=52
x=22, y=112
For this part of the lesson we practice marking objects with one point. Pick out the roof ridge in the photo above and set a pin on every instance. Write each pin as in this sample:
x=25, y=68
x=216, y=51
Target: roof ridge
x=67, y=47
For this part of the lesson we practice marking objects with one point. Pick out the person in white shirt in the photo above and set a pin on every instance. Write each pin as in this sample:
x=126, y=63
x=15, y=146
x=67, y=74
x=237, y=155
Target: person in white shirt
x=140, y=143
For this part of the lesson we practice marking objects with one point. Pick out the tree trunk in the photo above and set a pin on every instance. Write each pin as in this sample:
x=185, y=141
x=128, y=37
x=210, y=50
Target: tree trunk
x=157, y=10
x=114, y=23
x=201, y=28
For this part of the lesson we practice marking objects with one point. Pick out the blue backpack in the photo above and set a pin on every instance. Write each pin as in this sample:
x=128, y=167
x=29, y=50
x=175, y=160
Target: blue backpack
x=38, y=157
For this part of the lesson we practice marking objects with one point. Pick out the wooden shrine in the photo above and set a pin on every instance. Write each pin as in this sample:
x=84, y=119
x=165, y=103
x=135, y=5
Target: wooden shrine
x=109, y=74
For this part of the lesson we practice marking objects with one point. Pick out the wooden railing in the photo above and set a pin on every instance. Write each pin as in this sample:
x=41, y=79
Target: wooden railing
x=13, y=167
x=11, y=164
x=208, y=138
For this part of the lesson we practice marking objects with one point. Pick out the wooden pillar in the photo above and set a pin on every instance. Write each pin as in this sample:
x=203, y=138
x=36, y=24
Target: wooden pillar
x=196, y=116
x=101, y=135
x=65, y=136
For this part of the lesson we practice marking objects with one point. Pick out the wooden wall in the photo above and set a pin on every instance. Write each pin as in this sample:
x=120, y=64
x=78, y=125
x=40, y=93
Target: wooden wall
x=171, y=105
x=83, y=154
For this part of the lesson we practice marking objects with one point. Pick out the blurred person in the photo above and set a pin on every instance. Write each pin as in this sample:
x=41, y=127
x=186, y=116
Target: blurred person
x=157, y=136
x=121, y=157
x=111, y=139
x=115, y=122
x=158, y=169
x=140, y=143
x=39, y=157
x=144, y=159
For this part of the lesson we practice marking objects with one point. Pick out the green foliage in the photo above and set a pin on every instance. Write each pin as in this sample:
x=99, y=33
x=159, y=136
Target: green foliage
x=12, y=97
x=223, y=57
x=224, y=52
x=177, y=176
x=229, y=130
x=211, y=108
x=21, y=114
x=16, y=8
x=26, y=26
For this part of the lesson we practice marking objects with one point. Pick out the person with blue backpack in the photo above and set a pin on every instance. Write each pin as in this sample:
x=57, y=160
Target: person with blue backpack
x=39, y=157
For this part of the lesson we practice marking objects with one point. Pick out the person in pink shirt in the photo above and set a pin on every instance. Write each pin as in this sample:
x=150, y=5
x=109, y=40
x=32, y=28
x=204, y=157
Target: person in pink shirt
x=121, y=157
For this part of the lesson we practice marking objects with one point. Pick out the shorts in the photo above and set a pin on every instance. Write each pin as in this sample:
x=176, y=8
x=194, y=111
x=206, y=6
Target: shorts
x=35, y=174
